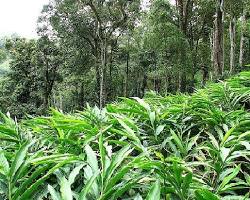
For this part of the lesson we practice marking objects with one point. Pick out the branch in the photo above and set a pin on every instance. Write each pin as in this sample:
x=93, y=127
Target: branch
x=93, y=8
x=120, y=22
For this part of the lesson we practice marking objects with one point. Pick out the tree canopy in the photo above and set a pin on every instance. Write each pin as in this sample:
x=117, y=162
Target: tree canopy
x=93, y=51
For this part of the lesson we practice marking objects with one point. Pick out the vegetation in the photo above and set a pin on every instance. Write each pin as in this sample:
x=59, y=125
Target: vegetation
x=173, y=147
x=95, y=51
x=162, y=90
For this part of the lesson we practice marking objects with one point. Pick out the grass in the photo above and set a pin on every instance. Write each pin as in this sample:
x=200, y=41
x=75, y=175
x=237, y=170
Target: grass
x=176, y=147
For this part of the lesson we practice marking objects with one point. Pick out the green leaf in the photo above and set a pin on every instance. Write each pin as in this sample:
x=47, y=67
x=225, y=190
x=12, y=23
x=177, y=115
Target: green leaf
x=177, y=141
x=228, y=178
x=186, y=182
x=152, y=118
x=116, y=161
x=19, y=159
x=204, y=194
x=247, y=177
x=121, y=173
x=33, y=188
x=119, y=190
x=138, y=197
x=227, y=135
x=142, y=103
x=91, y=158
x=74, y=173
x=53, y=193
x=66, y=190
x=21, y=189
x=224, y=153
x=4, y=164
x=213, y=141
x=159, y=129
x=50, y=159
x=129, y=131
x=87, y=187
x=155, y=191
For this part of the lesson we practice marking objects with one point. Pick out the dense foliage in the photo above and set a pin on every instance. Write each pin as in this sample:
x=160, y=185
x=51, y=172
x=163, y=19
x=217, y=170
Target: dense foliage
x=162, y=139
x=174, y=147
x=92, y=51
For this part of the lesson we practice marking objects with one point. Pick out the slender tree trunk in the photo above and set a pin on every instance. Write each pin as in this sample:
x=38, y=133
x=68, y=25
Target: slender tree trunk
x=46, y=101
x=101, y=73
x=212, y=50
x=242, y=40
x=46, y=88
x=81, y=96
x=156, y=79
x=61, y=102
x=144, y=85
x=184, y=8
x=218, y=40
x=232, y=45
x=111, y=87
x=167, y=83
x=223, y=36
x=127, y=76
x=183, y=82
x=205, y=75
x=127, y=72
x=212, y=47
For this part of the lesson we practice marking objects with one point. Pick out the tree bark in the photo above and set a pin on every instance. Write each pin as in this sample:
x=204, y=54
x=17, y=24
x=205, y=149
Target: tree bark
x=101, y=73
x=144, y=85
x=232, y=45
x=242, y=40
x=184, y=8
x=127, y=71
x=218, y=40
x=182, y=82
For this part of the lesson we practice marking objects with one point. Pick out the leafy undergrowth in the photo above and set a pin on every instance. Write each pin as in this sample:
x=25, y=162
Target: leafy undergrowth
x=177, y=147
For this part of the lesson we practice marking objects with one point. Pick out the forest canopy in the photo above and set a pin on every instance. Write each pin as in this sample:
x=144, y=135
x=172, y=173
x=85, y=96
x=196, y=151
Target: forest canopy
x=95, y=51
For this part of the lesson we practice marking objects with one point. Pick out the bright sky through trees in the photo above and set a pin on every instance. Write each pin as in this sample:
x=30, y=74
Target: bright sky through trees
x=20, y=16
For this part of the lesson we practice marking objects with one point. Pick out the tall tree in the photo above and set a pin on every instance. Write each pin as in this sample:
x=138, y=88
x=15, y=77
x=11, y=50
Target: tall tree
x=242, y=39
x=102, y=22
x=49, y=61
x=218, y=39
x=23, y=77
x=233, y=8
x=184, y=8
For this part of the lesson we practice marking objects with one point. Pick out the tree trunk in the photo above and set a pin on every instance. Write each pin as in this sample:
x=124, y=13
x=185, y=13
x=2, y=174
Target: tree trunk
x=212, y=47
x=127, y=76
x=61, y=102
x=47, y=85
x=184, y=8
x=127, y=71
x=242, y=40
x=182, y=82
x=156, y=79
x=110, y=85
x=46, y=101
x=232, y=45
x=218, y=40
x=212, y=52
x=101, y=73
x=168, y=83
x=144, y=85
x=205, y=75
x=81, y=96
